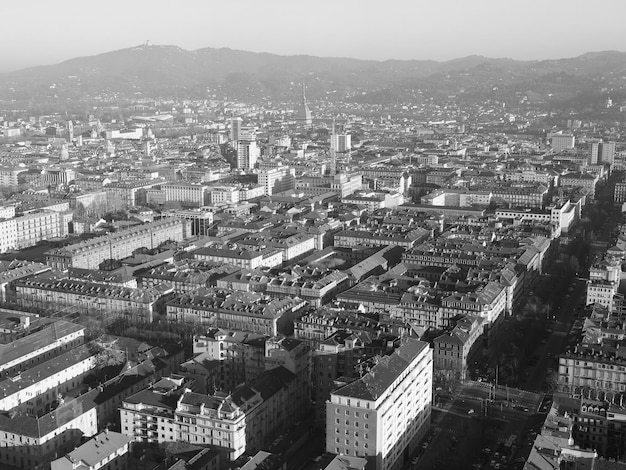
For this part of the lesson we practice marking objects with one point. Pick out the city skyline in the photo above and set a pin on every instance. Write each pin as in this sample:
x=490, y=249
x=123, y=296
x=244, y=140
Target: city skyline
x=441, y=31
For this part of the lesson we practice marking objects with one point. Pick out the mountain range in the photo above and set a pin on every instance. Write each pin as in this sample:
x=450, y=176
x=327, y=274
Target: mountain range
x=169, y=71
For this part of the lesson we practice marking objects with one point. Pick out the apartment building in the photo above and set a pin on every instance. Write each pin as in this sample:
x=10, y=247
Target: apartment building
x=188, y=277
x=374, y=200
x=30, y=389
x=407, y=238
x=189, y=195
x=277, y=180
x=91, y=203
x=90, y=298
x=7, y=212
x=227, y=358
x=14, y=270
x=488, y=302
x=593, y=370
x=452, y=349
x=10, y=176
x=600, y=426
x=457, y=198
x=316, y=290
x=383, y=415
x=29, y=229
x=560, y=142
x=601, y=292
x=342, y=184
x=245, y=311
x=563, y=216
x=224, y=195
x=533, y=196
x=32, y=340
x=587, y=182
x=241, y=257
x=129, y=193
x=344, y=356
x=315, y=327
x=243, y=421
x=201, y=220
x=89, y=254
x=107, y=450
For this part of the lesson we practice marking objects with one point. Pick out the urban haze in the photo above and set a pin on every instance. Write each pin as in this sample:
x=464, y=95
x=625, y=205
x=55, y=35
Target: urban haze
x=332, y=236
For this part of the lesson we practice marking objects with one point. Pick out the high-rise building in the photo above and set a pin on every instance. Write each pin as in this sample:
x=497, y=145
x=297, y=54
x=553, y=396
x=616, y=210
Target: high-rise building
x=70, y=131
x=341, y=142
x=602, y=153
x=606, y=153
x=235, y=127
x=247, y=154
x=383, y=415
x=594, y=151
x=304, y=113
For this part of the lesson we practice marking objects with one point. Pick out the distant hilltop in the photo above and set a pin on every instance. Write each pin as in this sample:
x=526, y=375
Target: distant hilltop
x=151, y=71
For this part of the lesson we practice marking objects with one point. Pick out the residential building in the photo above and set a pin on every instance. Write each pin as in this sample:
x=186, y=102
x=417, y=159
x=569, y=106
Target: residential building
x=277, y=180
x=90, y=298
x=247, y=154
x=340, y=142
x=241, y=257
x=89, y=254
x=243, y=421
x=560, y=142
x=383, y=415
x=129, y=193
x=452, y=349
x=106, y=451
x=189, y=195
x=32, y=340
x=587, y=182
x=244, y=311
x=29, y=229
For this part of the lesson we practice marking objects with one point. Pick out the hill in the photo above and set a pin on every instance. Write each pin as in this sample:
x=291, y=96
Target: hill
x=169, y=71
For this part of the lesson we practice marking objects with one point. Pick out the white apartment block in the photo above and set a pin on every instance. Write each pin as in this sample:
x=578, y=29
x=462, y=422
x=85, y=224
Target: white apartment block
x=7, y=212
x=601, y=292
x=247, y=154
x=560, y=142
x=27, y=351
x=188, y=194
x=224, y=194
x=9, y=176
x=26, y=389
x=277, y=180
x=340, y=142
x=30, y=229
x=251, y=192
x=383, y=415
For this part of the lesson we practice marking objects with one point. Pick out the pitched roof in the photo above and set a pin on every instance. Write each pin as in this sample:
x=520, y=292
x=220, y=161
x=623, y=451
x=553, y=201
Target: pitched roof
x=373, y=385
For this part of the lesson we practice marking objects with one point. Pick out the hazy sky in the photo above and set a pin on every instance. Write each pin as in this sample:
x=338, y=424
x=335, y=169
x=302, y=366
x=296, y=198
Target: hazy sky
x=39, y=32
